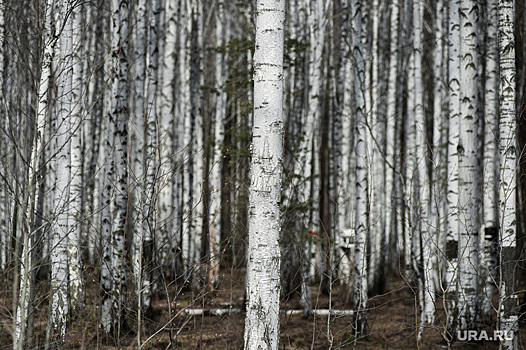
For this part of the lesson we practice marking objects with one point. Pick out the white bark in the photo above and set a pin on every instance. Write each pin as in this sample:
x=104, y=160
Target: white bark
x=197, y=144
x=452, y=217
x=490, y=161
x=119, y=115
x=184, y=65
x=217, y=160
x=60, y=227
x=377, y=160
x=410, y=175
x=167, y=207
x=263, y=268
x=361, y=224
x=508, y=301
x=106, y=153
x=342, y=150
x=139, y=172
x=439, y=155
x=42, y=109
x=391, y=117
x=149, y=222
x=76, y=186
x=469, y=174
x=106, y=164
x=425, y=225
x=4, y=198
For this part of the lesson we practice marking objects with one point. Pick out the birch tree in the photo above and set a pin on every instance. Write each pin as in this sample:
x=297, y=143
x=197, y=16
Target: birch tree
x=119, y=116
x=263, y=267
x=139, y=112
x=391, y=118
x=452, y=217
x=4, y=198
x=222, y=37
x=149, y=221
x=423, y=224
x=508, y=301
x=167, y=207
x=43, y=107
x=361, y=222
x=185, y=29
x=76, y=186
x=60, y=226
x=490, y=161
x=196, y=169
x=468, y=166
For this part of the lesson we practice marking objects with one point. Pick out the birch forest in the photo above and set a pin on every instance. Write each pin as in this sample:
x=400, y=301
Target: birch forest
x=264, y=174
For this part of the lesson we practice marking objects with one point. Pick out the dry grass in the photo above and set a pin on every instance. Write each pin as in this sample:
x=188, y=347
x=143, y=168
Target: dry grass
x=392, y=322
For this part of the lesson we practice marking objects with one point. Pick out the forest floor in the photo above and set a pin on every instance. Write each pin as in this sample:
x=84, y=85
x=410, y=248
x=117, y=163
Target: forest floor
x=392, y=322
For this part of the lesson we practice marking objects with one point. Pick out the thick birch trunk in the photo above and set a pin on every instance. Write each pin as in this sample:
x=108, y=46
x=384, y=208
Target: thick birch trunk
x=469, y=170
x=263, y=269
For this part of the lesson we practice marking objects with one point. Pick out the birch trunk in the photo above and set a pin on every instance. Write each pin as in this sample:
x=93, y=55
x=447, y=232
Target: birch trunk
x=339, y=174
x=263, y=268
x=106, y=222
x=151, y=152
x=452, y=217
x=439, y=155
x=391, y=117
x=76, y=186
x=60, y=227
x=491, y=159
x=106, y=164
x=119, y=116
x=508, y=300
x=167, y=207
x=361, y=222
x=197, y=146
x=139, y=172
x=469, y=174
x=187, y=188
x=377, y=163
x=217, y=160
x=411, y=250
x=4, y=197
x=35, y=173
x=428, y=241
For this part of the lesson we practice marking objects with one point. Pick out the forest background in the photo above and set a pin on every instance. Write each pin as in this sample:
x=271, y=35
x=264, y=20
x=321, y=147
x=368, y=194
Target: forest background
x=125, y=152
